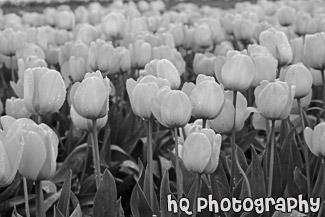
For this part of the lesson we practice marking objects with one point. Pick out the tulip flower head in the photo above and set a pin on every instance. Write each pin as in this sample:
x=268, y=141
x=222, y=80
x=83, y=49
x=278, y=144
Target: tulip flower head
x=314, y=50
x=172, y=108
x=207, y=97
x=315, y=139
x=200, y=152
x=44, y=90
x=11, y=41
x=274, y=99
x=15, y=107
x=90, y=96
x=114, y=26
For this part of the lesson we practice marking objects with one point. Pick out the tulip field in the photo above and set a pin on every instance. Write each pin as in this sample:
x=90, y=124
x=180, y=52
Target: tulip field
x=153, y=109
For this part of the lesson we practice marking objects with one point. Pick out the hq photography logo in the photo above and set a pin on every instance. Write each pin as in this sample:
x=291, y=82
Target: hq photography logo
x=259, y=205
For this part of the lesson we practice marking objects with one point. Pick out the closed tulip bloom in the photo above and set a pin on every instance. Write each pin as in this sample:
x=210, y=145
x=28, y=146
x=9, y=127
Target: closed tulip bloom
x=125, y=59
x=297, y=46
x=286, y=15
x=44, y=90
x=243, y=29
x=204, y=64
x=140, y=52
x=177, y=31
x=317, y=77
x=305, y=102
x=315, y=139
x=305, y=23
x=40, y=164
x=237, y=73
x=65, y=19
x=141, y=94
x=107, y=59
x=15, y=107
x=172, y=108
x=86, y=124
x=265, y=64
x=163, y=69
x=11, y=151
x=74, y=69
x=200, y=152
x=274, y=99
x=299, y=76
x=86, y=33
x=90, y=96
x=207, y=98
x=224, y=122
x=114, y=25
x=314, y=50
x=202, y=36
x=11, y=41
x=277, y=43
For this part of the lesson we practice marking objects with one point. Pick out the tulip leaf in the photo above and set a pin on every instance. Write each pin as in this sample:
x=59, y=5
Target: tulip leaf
x=76, y=212
x=15, y=213
x=277, y=183
x=48, y=203
x=105, y=202
x=146, y=190
x=318, y=190
x=256, y=177
x=219, y=175
x=139, y=203
x=73, y=162
x=121, y=211
x=225, y=193
x=64, y=200
x=247, y=140
x=57, y=212
x=8, y=192
x=300, y=180
x=164, y=193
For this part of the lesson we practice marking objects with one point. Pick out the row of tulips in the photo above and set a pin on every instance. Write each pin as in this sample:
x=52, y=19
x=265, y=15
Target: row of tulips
x=206, y=82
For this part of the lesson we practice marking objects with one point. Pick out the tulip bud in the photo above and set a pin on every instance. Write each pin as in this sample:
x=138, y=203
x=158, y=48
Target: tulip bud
x=40, y=164
x=86, y=124
x=107, y=59
x=299, y=76
x=11, y=41
x=315, y=139
x=177, y=32
x=163, y=69
x=202, y=36
x=65, y=19
x=86, y=33
x=204, y=64
x=317, y=77
x=305, y=102
x=172, y=108
x=44, y=90
x=297, y=46
x=207, y=98
x=113, y=26
x=237, y=73
x=243, y=29
x=274, y=99
x=224, y=122
x=15, y=108
x=90, y=96
x=305, y=24
x=141, y=94
x=277, y=43
x=200, y=152
x=140, y=52
x=314, y=50
x=286, y=15
x=222, y=48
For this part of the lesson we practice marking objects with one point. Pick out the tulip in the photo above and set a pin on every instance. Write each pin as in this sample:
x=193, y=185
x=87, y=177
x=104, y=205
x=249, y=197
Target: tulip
x=317, y=77
x=44, y=90
x=277, y=43
x=86, y=124
x=140, y=52
x=107, y=59
x=314, y=50
x=178, y=34
x=305, y=24
x=237, y=73
x=222, y=48
x=200, y=152
x=90, y=96
x=188, y=38
x=204, y=64
x=114, y=25
x=65, y=19
x=11, y=149
x=125, y=59
x=202, y=36
x=305, y=102
x=274, y=99
x=15, y=108
x=74, y=69
x=163, y=69
x=11, y=41
x=172, y=108
x=315, y=139
x=265, y=64
x=207, y=98
x=86, y=33
x=224, y=122
x=243, y=29
x=286, y=15
x=299, y=76
x=297, y=46
x=41, y=164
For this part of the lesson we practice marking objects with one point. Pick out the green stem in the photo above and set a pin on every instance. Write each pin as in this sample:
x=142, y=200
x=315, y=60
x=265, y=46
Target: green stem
x=86, y=159
x=178, y=178
x=196, y=194
x=305, y=149
x=232, y=141
x=96, y=154
x=26, y=197
x=323, y=78
x=150, y=160
x=13, y=76
x=40, y=210
x=271, y=164
x=204, y=123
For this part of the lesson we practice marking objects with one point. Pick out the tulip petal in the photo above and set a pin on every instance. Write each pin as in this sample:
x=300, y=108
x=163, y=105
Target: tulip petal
x=5, y=168
x=29, y=86
x=33, y=157
x=215, y=152
x=52, y=92
x=6, y=122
